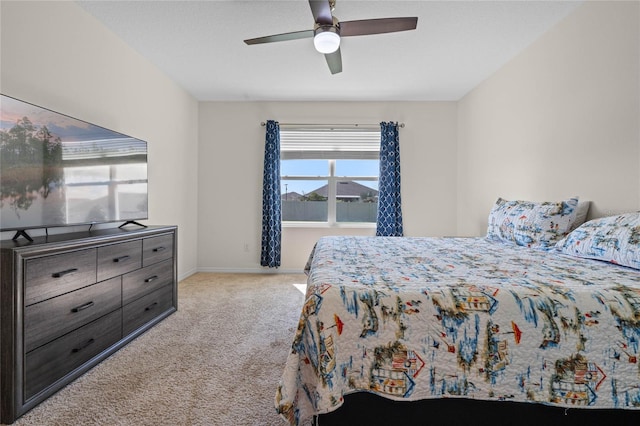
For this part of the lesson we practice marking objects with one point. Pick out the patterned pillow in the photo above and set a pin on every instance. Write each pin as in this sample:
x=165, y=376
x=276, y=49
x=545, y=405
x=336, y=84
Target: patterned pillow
x=531, y=224
x=614, y=239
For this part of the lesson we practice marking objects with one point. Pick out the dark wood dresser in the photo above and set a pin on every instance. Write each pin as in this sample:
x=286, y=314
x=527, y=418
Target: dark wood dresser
x=69, y=301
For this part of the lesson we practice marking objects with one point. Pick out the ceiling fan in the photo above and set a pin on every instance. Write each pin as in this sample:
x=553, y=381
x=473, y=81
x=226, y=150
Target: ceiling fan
x=328, y=30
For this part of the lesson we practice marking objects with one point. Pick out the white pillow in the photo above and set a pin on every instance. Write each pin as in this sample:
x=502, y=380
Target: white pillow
x=582, y=211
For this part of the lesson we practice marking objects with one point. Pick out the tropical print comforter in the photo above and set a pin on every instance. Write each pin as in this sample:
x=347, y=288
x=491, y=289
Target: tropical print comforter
x=417, y=318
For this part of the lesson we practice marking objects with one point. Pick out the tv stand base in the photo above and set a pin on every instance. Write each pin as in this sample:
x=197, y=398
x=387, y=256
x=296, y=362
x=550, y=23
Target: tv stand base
x=22, y=233
x=132, y=222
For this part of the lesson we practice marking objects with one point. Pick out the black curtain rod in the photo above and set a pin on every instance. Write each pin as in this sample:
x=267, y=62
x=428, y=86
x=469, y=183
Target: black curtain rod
x=328, y=125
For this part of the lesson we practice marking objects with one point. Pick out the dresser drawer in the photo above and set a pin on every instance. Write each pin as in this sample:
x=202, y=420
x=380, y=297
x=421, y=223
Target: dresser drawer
x=50, y=276
x=156, y=249
x=146, y=308
x=138, y=283
x=118, y=259
x=53, y=361
x=52, y=318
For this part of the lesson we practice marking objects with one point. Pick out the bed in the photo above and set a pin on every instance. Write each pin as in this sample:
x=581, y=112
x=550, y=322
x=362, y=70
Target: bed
x=514, y=316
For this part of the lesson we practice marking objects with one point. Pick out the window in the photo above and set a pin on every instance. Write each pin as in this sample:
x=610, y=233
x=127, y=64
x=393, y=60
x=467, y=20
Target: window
x=329, y=175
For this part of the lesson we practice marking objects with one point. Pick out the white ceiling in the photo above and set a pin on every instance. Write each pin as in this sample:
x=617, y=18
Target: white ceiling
x=199, y=45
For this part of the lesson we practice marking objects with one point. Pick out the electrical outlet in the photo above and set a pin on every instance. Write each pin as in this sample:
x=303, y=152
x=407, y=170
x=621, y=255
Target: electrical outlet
x=246, y=247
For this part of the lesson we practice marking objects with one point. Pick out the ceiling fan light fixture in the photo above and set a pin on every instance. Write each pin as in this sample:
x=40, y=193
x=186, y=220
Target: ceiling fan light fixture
x=326, y=39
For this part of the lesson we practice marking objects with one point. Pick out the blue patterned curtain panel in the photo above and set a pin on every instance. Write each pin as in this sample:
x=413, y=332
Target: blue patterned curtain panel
x=389, y=221
x=271, y=210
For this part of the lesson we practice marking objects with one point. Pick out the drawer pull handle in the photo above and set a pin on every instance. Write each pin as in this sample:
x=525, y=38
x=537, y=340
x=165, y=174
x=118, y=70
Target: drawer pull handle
x=83, y=307
x=83, y=346
x=159, y=249
x=151, y=306
x=148, y=280
x=121, y=258
x=63, y=273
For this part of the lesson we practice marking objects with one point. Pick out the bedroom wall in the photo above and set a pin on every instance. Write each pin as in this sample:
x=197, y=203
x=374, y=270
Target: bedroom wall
x=56, y=55
x=231, y=165
x=560, y=119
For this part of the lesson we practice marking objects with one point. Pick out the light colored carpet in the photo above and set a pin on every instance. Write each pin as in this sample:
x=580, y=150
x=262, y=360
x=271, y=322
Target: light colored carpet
x=216, y=361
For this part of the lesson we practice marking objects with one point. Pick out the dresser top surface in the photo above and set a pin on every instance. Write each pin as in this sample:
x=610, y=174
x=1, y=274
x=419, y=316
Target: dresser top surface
x=93, y=237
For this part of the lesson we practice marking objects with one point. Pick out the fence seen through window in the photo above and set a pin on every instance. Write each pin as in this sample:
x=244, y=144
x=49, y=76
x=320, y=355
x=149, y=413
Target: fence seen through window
x=329, y=177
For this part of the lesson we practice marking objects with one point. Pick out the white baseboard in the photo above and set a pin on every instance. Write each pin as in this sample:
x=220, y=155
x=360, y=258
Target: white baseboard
x=251, y=270
x=187, y=274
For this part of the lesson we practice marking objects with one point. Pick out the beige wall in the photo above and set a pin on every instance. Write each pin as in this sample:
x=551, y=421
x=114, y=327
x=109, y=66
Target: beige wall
x=560, y=119
x=56, y=55
x=231, y=163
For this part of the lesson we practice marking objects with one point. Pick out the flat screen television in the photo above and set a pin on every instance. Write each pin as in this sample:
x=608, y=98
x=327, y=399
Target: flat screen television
x=56, y=170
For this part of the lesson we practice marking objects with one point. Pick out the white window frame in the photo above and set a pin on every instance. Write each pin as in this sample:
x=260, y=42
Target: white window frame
x=331, y=144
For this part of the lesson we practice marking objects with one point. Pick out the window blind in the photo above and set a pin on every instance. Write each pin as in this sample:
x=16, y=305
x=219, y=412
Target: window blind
x=329, y=143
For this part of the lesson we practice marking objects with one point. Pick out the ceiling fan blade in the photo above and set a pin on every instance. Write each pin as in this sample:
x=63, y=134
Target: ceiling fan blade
x=377, y=26
x=281, y=37
x=321, y=12
x=334, y=60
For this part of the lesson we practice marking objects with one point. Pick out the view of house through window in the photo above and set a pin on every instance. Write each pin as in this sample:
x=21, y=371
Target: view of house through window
x=329, y=176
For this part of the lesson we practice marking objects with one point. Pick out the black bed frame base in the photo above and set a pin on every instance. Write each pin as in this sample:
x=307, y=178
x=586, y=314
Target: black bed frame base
x=368, y=409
